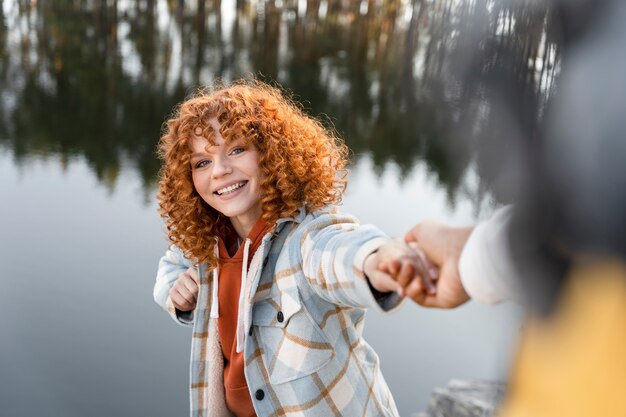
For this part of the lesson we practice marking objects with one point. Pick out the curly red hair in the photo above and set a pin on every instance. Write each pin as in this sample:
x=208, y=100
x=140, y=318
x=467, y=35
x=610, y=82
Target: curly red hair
x=303, y=164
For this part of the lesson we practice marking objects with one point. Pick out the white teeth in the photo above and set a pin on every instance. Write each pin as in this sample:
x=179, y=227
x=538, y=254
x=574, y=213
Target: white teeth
x=230, y=188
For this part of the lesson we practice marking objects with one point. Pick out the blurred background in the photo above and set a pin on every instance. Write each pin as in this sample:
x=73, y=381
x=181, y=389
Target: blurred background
x=411, y=85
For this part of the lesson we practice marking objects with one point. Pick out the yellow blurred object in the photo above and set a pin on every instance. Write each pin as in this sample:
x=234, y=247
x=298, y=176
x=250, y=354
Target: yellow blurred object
x=574, y=363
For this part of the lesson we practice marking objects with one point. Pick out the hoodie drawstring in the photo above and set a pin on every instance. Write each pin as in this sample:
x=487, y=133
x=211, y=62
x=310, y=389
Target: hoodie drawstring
x=242, y=316
x=240, y=310
x=214, y=296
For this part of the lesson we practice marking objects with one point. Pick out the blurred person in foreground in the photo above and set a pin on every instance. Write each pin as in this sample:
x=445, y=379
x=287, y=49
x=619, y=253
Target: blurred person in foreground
x=561, y=250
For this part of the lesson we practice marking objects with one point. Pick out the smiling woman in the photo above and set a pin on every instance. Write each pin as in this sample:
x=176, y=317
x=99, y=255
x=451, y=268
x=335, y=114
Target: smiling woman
x=248, y=193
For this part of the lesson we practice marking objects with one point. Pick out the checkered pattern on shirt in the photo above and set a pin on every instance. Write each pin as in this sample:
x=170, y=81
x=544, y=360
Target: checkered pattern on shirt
x=315, y=362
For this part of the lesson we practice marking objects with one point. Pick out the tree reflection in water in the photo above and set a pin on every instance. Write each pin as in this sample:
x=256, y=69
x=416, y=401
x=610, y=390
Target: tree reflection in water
x=401, y=81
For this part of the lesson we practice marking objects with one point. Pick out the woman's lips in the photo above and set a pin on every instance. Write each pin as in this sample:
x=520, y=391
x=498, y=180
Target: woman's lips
x=230, y=189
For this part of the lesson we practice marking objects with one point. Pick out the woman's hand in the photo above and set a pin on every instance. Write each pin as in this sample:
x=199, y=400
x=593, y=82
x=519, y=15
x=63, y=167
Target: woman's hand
x=184, y=292
x=397, y=266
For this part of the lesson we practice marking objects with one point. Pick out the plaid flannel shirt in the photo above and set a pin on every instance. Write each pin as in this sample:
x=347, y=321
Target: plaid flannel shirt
x=304, y=351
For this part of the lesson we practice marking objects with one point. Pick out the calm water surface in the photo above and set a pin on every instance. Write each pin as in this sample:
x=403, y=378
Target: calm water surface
x=84, y=89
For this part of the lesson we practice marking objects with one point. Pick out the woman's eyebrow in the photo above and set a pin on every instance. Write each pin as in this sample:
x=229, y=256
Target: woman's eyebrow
x=199, y=155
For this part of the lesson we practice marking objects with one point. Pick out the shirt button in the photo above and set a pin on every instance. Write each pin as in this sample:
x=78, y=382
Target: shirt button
x=259, y=394
x=280, y=317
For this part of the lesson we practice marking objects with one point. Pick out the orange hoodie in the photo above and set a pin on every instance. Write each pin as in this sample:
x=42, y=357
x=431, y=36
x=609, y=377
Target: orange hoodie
x=236, y=388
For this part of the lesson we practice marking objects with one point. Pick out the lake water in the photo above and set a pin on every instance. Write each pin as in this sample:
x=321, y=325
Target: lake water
x=84, y=91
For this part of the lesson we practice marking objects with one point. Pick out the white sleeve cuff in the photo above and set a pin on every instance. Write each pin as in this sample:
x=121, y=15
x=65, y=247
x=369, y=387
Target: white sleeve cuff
x=486, y=267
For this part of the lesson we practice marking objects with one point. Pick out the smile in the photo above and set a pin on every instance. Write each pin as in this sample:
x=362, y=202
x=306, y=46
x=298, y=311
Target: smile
x=230, y=188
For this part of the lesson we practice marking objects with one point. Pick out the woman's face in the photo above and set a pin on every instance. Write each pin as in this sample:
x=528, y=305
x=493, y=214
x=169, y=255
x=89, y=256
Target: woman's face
x=228, y=177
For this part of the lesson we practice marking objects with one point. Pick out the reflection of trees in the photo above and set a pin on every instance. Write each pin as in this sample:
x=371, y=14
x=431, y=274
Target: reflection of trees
x=96, y=79
x=77, y=101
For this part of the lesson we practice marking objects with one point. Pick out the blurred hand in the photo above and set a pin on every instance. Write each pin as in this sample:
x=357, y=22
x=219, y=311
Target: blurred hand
x=184, y=292
x=442, y=245
x=395, y=266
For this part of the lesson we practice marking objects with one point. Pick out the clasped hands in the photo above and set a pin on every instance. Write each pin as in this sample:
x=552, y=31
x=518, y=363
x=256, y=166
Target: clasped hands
x=401, y=267
x=423, y=267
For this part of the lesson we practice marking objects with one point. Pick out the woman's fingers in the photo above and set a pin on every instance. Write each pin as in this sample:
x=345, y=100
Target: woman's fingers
x=184, y=292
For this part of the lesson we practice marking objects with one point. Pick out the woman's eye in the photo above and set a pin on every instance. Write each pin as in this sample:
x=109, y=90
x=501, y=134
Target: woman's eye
x=238, y=150
x=203, y=163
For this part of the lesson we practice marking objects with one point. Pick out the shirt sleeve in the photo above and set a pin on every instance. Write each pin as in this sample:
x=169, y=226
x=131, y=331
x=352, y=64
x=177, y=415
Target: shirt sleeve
x=486, y=266
x=171, y=265
x=333, y=250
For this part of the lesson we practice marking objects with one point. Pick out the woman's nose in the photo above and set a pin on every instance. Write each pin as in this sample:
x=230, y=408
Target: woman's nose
x=221, y=167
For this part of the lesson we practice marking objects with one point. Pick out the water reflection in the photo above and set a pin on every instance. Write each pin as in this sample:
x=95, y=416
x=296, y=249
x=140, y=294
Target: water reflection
x=402, y=81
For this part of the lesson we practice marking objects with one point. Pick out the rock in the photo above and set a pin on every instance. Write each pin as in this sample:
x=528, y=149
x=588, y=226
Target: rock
x=465, y=399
